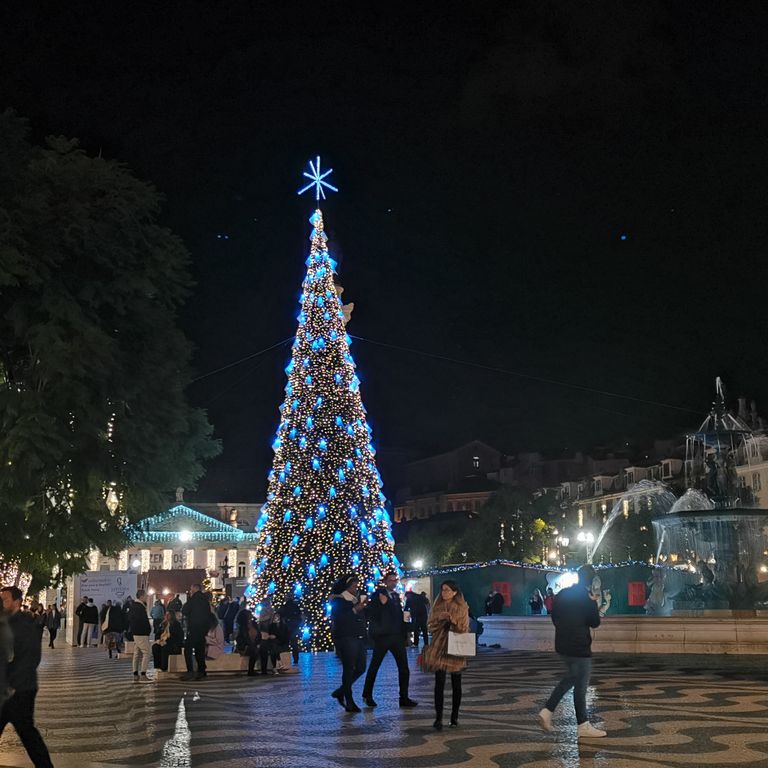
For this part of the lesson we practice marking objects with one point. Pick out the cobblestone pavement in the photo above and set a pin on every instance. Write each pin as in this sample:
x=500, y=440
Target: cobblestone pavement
x=658, y=711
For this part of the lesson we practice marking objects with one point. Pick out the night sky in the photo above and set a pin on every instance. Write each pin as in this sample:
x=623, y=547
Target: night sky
x=575, y=193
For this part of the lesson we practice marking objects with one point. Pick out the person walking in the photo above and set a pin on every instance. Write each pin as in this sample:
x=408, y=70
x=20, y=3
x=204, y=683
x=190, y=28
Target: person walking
x=418, y=605
x=52, y=623
x=291, y=616
x=170, y=641
x=138, y=624
x=388, y=632
x=450, y=613
x=574, y=613
x=229, y=617
x=113, y=627
x=19, y=708
x=90, y=622
x=549, y=600
x=157, y=614
x=197, y=613
x=348, y=635
x=79, y=612
x=102, y=620
x=536, y=603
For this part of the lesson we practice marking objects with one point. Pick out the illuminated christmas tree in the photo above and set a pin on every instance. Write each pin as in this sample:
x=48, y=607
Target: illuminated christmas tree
x=325, y=513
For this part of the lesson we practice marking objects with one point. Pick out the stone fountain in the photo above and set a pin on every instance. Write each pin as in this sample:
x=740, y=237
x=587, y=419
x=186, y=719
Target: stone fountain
x=709, y=591
x=712, y=528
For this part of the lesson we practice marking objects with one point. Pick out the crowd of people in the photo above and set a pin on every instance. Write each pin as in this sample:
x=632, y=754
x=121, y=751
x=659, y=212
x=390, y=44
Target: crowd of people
x=199, y=629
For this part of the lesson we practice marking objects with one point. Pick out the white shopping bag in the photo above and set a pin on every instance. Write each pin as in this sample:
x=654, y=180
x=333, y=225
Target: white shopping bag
x=463, y=644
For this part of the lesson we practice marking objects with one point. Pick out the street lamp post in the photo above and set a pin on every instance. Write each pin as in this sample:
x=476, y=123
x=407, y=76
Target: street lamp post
x=588, y=539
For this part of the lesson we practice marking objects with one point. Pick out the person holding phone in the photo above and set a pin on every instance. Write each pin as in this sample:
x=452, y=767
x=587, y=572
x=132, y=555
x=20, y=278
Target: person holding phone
x=574, y=613
x=389, y=632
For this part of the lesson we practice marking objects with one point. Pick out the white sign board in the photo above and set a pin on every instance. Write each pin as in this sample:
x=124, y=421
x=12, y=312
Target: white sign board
x=101, y=586
x=107, y=585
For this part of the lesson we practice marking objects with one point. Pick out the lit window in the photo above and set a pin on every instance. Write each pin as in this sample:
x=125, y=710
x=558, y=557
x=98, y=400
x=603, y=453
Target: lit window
x=476, y=462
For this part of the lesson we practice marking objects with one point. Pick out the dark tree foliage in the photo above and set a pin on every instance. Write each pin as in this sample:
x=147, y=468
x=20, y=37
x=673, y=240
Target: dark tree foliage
x=92, y=365
x=510, y=525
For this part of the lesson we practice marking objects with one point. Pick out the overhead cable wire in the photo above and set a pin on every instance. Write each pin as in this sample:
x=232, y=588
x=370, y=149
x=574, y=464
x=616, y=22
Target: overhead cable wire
x=529, y=376
x=242, y=360
x=470, y=364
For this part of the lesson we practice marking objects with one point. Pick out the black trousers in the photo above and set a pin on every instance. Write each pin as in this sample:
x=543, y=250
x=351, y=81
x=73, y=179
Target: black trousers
x=267, y=650
x=440, y=676
x=420, y=628
x=80, y=626
x=294, y=644
x=160, y=654
x=351, y=651
x=19, y=711
x=52, y=636
x=195, y=644
x=381, y=646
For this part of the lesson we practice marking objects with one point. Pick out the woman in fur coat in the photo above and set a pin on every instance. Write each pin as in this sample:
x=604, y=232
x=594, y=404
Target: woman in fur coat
x=450, y=613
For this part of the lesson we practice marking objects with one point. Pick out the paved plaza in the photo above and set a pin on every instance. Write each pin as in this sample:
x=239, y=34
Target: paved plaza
x=698, y=711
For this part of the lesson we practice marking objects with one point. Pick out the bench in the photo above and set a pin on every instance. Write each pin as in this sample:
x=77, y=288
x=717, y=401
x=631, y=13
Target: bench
x=227, y=662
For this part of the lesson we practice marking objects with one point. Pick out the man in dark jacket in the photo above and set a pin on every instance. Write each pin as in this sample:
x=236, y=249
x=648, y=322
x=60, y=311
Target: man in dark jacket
x=19, y=709
x=574, y=614
x=291, y=616
x=228, y=620
x=348, y=635
x=79, y=611
x=197, y=612
x=138, y=624
x=418, y=605
x=90, y=622
x=388, y=632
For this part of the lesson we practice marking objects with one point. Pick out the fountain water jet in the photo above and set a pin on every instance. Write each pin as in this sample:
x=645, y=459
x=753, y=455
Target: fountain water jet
x=656, y=495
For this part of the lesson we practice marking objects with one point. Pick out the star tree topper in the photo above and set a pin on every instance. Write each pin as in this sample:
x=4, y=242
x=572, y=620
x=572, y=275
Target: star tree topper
x=317, y=180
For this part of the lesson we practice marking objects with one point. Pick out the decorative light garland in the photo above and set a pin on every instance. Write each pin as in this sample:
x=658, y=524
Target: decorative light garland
x=441, y=570
x=11, y=575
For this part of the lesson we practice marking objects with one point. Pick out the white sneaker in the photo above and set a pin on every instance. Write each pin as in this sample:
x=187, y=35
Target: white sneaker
x=588, y=731
x=545, y=720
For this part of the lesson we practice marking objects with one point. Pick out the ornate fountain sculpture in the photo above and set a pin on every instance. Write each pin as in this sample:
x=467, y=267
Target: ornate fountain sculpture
x=711, y=526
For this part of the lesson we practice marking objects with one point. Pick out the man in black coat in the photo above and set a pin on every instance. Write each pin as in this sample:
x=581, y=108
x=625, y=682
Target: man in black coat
x=418, y=605
x=291, y=615
x=197, y=612
x=388, y=632
x=138, y=624
x=90, y=622
x=79, y=611
x=19, y=709
x=348, y=634
x=574, y=614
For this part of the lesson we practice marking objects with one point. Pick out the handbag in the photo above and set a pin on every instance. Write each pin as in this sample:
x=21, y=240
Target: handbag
x=461, y=644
